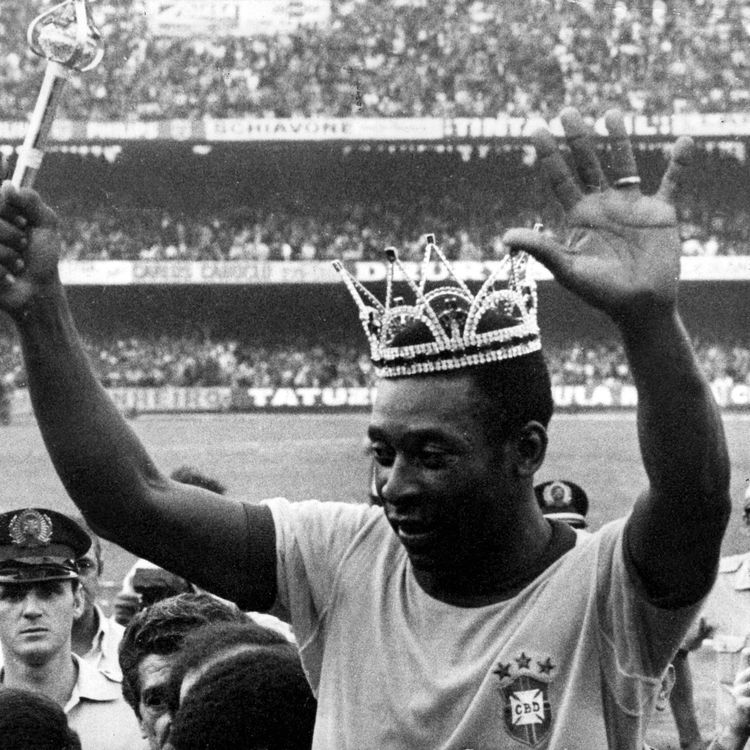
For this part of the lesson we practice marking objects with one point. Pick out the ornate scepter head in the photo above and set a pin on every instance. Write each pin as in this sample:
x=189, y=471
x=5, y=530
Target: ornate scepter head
x=68, y=39
x=67, y=34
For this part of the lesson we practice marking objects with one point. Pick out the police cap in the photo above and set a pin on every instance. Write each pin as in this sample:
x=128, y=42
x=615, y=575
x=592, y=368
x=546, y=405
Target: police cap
x=37, y=544
x=564, y=501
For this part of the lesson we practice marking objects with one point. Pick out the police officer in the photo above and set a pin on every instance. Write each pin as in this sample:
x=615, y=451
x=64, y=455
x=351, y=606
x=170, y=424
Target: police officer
x=96, y=637
x=563, y=500
x=40, y=596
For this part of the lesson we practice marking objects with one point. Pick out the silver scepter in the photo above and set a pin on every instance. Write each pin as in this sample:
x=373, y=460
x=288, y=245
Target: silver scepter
x=66, y=36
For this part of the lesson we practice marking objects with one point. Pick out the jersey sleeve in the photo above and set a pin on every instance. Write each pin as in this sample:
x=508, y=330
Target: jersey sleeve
x=312, y=538
x=637, y=638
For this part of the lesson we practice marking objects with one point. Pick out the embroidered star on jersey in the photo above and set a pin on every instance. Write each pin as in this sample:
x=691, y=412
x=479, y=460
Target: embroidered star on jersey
x=502, y=671
x=523, y=661
x=546, y=667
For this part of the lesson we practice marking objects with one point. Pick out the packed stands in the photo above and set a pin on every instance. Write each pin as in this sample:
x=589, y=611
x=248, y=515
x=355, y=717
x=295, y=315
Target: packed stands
x=165, y=200
x=193, y=362
x=254, y=205
x=357, y=235
x=409, y=58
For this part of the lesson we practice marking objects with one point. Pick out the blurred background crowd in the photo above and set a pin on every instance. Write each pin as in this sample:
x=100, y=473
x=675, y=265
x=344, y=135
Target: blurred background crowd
x=191, y=361
x=295, y=204
x=413, y=58
x=351, y=232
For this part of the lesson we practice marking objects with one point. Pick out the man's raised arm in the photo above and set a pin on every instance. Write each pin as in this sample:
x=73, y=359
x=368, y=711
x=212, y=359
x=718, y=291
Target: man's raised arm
x=623, y=257
x=223, y=545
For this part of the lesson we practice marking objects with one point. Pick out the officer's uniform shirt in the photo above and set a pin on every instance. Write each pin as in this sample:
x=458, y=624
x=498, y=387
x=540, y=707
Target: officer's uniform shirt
x=103, y=654
x=99, y=713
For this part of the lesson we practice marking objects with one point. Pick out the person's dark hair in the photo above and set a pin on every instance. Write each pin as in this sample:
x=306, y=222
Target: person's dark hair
x=32, y=721
x=210, y=642
x=259, y=700
x=191, y=475
x=161, y=628
x=513, y=391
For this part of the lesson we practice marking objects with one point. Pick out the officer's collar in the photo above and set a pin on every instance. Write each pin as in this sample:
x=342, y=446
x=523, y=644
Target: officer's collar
x=91, y=685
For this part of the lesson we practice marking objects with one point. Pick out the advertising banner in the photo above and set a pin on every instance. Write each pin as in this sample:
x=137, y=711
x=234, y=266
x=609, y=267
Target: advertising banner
x=172, y=400
x=729, y=130
x=247, y=18
x=237, y=272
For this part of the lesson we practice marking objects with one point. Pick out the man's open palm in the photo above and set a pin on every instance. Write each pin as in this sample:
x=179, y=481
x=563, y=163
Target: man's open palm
x=622, y=254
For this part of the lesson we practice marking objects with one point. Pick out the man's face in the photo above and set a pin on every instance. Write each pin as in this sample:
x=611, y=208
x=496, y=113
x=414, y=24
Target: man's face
x=441, y=481
x=36, y=618
x=153, y=675
x=89, y=568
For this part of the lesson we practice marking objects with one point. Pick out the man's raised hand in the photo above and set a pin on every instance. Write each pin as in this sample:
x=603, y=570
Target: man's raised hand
x=623, y=251
x=28, y=248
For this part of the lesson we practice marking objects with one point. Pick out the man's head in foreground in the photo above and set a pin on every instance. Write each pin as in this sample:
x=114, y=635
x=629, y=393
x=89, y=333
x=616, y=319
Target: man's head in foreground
x=214, y=642
x=206, y=646
x=40, y=592
x=458, y=427
x=149, y=647
x=456, y=455
x=31, y=721
x=259, y=700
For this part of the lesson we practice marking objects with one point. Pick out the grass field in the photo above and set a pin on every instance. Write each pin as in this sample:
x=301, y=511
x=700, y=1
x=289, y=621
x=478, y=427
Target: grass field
x=301, y=456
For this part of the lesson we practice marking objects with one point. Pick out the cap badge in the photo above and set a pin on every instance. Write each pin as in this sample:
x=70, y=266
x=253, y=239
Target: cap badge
x=30, y=528
x=557, y=495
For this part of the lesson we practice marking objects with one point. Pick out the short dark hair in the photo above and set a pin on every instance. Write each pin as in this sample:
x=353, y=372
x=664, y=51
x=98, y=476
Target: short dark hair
x=191, y=475
x=258, y=700
x=161, y=628
x=515, y=392
x=32, y=720
x=209, y=642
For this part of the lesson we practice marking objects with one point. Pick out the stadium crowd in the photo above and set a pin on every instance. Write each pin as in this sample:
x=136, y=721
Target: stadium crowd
x=349, y=206
x=410, y=58
x=194, y=362
x=360, y=232
x=357, y=232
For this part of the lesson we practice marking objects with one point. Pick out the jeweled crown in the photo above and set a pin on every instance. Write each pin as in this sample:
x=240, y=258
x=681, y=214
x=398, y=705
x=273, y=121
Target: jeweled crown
x=451, y=328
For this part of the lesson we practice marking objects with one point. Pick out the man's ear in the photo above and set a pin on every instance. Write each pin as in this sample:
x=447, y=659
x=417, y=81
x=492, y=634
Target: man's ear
x=530, y=448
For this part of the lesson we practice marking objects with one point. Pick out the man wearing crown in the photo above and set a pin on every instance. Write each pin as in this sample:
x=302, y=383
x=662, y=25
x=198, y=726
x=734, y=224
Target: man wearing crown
x=455, y=616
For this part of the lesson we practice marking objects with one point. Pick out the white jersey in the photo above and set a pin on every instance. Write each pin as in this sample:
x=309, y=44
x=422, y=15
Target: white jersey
x=572, y=662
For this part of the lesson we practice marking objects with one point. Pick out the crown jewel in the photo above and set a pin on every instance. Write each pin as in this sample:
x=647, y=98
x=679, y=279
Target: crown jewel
x=452, y=327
